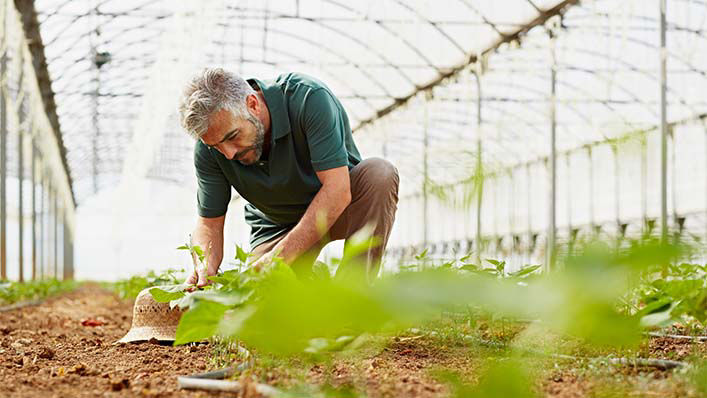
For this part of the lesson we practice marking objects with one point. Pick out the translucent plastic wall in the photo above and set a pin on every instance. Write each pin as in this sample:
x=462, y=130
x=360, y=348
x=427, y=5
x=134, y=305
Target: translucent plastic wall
x=36, y=202
x=607, y=116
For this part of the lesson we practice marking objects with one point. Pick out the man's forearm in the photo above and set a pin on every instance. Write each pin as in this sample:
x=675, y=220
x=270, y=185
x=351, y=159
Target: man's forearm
x=322, y=213
x=202, y=236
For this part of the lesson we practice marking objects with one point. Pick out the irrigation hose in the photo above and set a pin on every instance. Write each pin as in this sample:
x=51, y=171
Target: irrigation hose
x=21, y=305
x=662, y=364
x=193, y=383
x=213, y=380
x=677, y=336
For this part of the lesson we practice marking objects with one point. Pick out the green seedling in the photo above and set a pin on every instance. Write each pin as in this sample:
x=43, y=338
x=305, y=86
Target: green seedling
x=200, y=259
x=11, y=292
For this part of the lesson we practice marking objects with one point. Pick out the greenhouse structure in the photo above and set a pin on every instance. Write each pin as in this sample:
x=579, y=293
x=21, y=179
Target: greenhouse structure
x=525, y=133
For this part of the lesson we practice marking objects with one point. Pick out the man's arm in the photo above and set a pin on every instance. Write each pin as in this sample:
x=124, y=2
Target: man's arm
x=326, y=207
x=208, y=231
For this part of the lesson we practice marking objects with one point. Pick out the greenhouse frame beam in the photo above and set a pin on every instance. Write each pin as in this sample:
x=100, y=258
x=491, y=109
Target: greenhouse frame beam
x=559, y=9
x=552, y=219
x=20, y=200
x=3, y=156
x=55, y=233
x=33, y=38
x=663, y=125
x=425, y=174
x=34, y=210
x=479, y=165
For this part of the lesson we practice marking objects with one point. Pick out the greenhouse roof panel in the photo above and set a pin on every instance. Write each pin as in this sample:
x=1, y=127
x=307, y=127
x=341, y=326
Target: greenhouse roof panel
x=106, y=57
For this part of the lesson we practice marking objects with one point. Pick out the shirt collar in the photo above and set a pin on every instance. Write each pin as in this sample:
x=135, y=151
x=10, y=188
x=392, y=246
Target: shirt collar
x=274, y=99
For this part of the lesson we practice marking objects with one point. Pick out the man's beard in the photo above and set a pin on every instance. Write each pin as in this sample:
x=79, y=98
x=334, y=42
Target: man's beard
x=258, y=143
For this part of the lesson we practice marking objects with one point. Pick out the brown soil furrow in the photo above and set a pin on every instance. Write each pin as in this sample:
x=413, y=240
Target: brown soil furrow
x=45, y=351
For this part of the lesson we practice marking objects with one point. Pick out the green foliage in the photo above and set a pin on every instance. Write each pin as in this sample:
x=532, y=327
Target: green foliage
x=200, y=322
x=699, y=376
x=671, y=292
x=599, y=294
x=276, y=312
x=11, y=292
x=241, y=255
x=131, y=287
x=507, y=378
x=162, y=295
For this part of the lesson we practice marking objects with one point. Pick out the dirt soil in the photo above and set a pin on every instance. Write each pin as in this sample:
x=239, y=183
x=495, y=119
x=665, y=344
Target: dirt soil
x=402, y=369
x=64, y=348
x=46, y=351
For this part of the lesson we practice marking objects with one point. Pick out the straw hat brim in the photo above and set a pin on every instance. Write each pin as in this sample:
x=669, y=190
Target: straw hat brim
x=145, y=333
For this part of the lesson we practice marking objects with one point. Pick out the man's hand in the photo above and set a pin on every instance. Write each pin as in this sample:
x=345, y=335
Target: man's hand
x=264, y=260
x=199, y=275
x=209, y=234
x=321, y=214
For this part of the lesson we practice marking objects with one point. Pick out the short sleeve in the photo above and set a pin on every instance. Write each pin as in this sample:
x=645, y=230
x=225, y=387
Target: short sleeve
x=214, y=190
x=324, y=127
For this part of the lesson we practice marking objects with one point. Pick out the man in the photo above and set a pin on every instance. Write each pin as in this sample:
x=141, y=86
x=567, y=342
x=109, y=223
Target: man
x=286, y=147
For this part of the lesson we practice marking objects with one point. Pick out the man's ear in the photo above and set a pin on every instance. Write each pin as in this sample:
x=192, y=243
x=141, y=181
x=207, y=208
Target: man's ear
x=253, y=105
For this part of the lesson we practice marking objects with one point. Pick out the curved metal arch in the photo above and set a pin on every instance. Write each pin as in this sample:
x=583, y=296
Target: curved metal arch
x=117, y=81
x=540, y=19
x=362, y=44
x=494, y=155
x=382, y=26
x=372, y=79
x=88, y=14
x=125, y=44
x=634, y=69
x=335, y=53
x=434, y=25
x=653, y=47
x=570, y=107
x=576, y=88
x=381, y=23
x=483, y=17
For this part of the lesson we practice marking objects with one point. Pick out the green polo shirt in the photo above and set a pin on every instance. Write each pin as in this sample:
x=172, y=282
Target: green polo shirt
x=310, y=132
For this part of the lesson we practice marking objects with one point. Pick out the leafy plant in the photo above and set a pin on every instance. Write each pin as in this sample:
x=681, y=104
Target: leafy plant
x=131, y=287
x=11, y=292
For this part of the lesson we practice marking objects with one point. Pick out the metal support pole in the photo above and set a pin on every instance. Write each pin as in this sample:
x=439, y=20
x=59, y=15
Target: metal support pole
x=95, y=139
x=617, y=185
x=60, y=225
x=568, y=175
x=552, y=229
x=479, y=173
x=644, y=183
x=591, y=188
x=528, y=202
x=55, y=216
x=50, y=229
x=34, y=211
x=663, y=125
x=42, y=223
x=68, y=250
x=425, y=173
x=20, y=204
x=511, y=211
x=3, y=162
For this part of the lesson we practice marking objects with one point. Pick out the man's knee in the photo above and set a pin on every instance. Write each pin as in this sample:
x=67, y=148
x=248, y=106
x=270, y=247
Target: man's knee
x=380, y=173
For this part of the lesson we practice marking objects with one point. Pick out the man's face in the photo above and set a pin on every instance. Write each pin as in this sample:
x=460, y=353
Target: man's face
x=236, y=138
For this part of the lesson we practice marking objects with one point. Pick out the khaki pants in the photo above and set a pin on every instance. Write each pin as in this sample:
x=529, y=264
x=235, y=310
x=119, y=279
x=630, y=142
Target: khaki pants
x=374, y=200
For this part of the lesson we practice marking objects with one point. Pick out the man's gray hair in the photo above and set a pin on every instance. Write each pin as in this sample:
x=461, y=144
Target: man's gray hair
x=208, y=92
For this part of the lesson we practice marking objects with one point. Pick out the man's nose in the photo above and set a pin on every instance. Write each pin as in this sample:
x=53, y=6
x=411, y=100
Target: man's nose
x=229, y=151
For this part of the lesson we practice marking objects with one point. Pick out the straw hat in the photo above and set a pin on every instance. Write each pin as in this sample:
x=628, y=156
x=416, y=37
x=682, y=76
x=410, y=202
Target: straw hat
x=152, y=320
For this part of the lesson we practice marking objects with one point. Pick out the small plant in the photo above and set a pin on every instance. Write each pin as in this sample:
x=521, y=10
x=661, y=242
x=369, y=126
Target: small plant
x=200, y=259
x=11, y=292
